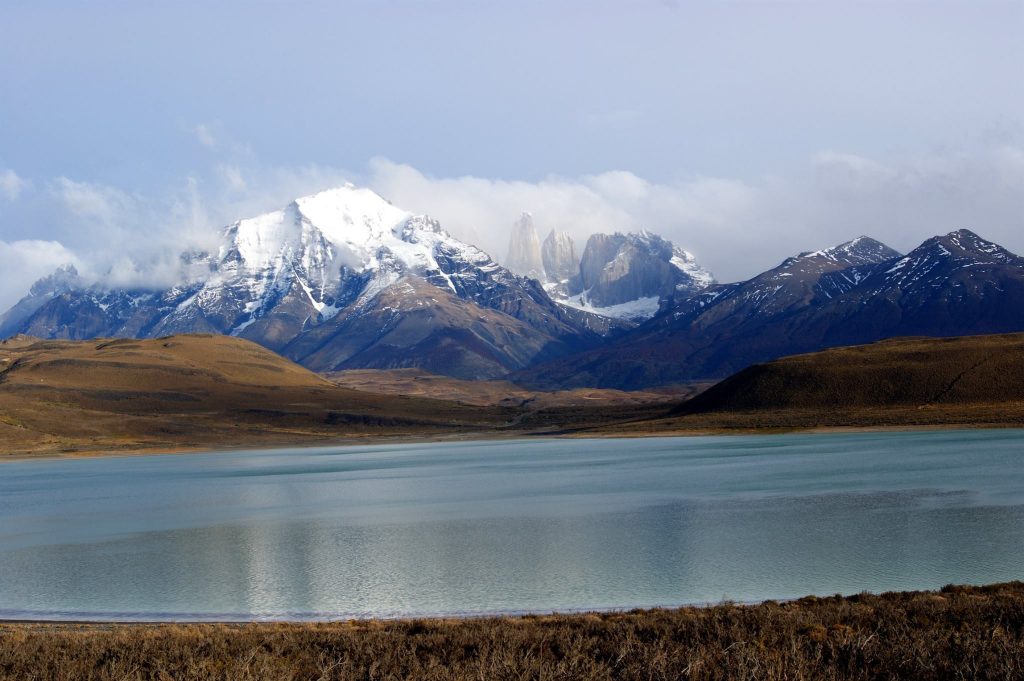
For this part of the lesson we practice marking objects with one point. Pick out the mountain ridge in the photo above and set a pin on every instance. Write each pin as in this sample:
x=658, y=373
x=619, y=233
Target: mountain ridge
x=320, y=264
x=343, y=280
x=809, y=302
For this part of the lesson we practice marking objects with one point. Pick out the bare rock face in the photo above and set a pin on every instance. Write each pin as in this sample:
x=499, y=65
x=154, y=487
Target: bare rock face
x=524, y=249
x=559, y=256
x=957, y=284
x=621, y=268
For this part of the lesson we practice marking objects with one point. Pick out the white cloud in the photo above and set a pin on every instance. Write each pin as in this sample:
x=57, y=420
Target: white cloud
x=205, y=136
x=232, y=177
x=736, y=227
x=26, y=261
x=92, y=202
x=11, y=185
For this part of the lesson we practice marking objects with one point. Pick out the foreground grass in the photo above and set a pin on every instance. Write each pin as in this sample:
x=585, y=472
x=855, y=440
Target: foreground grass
x=957, y=633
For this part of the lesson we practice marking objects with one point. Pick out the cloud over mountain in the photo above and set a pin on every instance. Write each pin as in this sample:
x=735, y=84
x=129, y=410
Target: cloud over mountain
x=735, y=226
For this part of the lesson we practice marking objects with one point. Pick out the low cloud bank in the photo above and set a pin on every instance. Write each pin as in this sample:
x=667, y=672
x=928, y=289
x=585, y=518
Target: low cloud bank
x=736, y=227
x=740, y=227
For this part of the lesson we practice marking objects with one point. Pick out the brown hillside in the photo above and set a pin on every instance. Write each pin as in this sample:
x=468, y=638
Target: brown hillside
x=899, y=372
x=192, y=391
x=418, y=383
x=971, y=381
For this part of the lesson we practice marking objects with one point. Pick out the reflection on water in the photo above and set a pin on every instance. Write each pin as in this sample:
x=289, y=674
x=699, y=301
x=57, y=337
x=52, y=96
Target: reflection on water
x=510, y=526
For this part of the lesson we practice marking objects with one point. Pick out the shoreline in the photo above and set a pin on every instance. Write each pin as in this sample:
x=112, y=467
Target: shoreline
x=350, y=618
x=952, y=632
x=329, y=618
x=314, y=442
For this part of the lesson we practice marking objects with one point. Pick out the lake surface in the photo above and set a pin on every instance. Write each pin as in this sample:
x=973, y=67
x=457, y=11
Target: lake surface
x=510, y=526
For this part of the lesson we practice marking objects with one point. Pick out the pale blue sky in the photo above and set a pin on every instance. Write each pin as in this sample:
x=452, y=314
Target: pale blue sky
x=137, y=110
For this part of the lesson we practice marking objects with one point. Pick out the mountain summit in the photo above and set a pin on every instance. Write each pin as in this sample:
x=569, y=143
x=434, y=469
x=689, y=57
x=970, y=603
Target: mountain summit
x=629, y=275
x=858, y=292
x=524, y=255
x=340, y=279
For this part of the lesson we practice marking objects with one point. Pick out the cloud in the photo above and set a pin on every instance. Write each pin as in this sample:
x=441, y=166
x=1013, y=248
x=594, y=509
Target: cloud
x=232, y=177
x=122, y=239
x=11, y=185
x=92, y=202
x=26, y=261
x=736, y=227
x=205, y=136
x=699, y=214
x=739, y=227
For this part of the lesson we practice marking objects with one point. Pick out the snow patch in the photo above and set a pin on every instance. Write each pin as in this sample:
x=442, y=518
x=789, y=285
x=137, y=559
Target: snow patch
x=642, y=308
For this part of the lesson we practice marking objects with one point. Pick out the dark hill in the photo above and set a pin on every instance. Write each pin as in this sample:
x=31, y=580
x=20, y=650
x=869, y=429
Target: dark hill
x=915, y=372
x=953, y=285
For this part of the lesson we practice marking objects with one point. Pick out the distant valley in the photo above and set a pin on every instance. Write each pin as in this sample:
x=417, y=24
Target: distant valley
x=211, y=392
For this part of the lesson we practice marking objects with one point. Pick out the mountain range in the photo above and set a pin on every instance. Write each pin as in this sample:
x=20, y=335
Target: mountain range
x=343, y=280
x=861, y=291
x=618, y=276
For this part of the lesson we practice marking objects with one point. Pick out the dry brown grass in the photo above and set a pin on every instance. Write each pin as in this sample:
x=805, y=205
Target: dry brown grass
x=193, y=391
x=201, y=392
x=958, y=633
x=215, y=392
x=975, y=381
x=900, y=372
x=417, y=383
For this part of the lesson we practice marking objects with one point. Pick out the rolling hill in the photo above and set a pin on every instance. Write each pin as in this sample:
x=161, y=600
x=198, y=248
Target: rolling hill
x=210, y=392
x=191, y=391
x=966, y=381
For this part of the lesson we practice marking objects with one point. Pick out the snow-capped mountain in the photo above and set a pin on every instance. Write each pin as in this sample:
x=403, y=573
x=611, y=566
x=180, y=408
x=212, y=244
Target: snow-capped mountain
x=63, y=280
x=334, y=280
x=630, y=275
x=858, y=292
x=344, y=279
x=802, y=280
x=621, y=277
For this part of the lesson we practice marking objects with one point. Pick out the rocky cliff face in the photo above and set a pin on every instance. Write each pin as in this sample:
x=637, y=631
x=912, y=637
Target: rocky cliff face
x=858, y=292
x=633, y=270
x=524, y=256
x=558, y=254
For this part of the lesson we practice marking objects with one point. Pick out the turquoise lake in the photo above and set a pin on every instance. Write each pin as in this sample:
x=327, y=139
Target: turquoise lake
x=508, y=526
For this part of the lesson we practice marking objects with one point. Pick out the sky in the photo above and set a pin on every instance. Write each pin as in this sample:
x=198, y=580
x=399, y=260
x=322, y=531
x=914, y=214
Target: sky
x=743, y=131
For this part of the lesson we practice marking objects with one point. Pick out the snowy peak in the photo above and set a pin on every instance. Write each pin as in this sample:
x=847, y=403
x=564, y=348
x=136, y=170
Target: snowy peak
x=798, y=281
x=347, y=223
x=307, y=281
x=860, y=251
x=965, y=244
x=64, y=278
x=950, y=258
x=686, y=263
